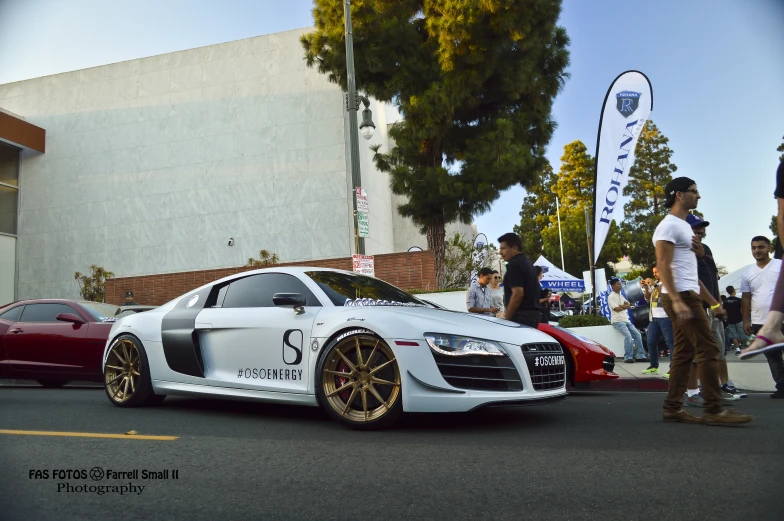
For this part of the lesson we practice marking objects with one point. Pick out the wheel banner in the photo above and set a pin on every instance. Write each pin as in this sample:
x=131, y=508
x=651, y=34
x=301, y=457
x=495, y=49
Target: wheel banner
x=626, y=107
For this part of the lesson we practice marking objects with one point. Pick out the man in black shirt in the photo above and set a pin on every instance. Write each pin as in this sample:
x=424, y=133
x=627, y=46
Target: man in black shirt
x=521, y=288
x=734, y=320
x=544, y=296
x=708, y=274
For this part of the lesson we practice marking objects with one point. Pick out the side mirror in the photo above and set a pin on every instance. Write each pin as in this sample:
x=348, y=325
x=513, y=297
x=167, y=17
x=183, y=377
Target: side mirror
x=290, y=299
x=70, y=317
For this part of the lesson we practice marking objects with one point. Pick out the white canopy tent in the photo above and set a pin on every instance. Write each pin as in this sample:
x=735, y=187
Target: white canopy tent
x=556, y=279
x=731, y=279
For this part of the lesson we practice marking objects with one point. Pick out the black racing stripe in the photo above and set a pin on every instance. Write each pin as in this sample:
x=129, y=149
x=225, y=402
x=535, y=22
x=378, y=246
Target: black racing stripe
x=180, y=340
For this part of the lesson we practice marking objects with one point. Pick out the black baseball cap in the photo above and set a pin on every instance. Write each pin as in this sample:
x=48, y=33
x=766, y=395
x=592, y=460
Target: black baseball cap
x=129, y=293
x=679, y=184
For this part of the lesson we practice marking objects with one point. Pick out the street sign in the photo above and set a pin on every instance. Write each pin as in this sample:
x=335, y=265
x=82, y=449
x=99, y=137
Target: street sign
x=364, y=264
x=363, y=215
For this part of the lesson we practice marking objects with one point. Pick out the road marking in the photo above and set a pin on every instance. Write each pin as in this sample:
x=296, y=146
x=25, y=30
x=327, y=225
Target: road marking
x=89, y=435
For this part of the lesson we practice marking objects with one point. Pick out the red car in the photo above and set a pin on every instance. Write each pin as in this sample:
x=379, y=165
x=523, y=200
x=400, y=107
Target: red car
x=588, y=361
x=54, y=341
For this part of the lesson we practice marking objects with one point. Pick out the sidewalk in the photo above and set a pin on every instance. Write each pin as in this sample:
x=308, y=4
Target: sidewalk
x=749, y=376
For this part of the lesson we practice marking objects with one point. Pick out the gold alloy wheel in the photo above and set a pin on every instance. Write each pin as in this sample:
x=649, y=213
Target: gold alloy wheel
x=123, y=370
x=361, y=379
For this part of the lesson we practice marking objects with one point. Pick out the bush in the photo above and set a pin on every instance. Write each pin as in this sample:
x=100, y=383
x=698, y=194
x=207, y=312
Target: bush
x=92, y=287
x=583, y=321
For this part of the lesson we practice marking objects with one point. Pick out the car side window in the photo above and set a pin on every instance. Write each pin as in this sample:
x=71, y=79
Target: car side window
x=256, y=291
x=44, y=312
x=13, y=314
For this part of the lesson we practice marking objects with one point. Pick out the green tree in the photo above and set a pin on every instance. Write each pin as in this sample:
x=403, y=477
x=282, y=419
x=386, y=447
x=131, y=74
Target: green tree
x=576, y=175
x=781, y=149
x=92, y=287
x=266, y=258
x=538, y=229
x=462, y=259
x=538, y=206
x=651, y=171
x=475, y=82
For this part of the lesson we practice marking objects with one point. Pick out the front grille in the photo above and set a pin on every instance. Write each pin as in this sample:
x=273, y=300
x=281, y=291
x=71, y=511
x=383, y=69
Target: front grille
x=609, y=364
x=479, y=372
x=546, y=365
x=541, y=348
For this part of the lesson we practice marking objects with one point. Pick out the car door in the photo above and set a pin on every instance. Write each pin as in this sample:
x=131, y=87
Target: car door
x=249, y=343
x=7, y=320
x=39, y=344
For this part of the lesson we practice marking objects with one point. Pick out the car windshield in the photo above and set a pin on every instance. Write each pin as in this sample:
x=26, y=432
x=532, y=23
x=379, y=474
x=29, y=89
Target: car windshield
x=349, y=289
x=100, y=311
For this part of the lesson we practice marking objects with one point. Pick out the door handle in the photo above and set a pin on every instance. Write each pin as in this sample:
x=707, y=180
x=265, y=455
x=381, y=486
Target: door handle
x=17, y=330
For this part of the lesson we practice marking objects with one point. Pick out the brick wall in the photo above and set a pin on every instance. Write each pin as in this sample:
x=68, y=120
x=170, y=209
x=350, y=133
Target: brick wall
x=407, y=270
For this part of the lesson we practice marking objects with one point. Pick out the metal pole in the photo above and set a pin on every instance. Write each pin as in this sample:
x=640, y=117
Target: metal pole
x=353, y=135
x=590, y=259
x=560, y=237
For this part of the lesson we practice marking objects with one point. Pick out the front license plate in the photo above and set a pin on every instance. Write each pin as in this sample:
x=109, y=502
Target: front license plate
x=547, y=361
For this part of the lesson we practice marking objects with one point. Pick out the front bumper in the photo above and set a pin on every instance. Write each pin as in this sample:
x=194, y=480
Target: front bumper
x=517, y=381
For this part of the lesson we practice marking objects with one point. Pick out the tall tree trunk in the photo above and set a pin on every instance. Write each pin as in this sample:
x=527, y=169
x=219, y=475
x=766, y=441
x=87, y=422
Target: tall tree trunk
x=436, y=237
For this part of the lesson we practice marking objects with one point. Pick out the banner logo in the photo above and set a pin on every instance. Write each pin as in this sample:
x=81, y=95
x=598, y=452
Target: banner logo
x=627, y=102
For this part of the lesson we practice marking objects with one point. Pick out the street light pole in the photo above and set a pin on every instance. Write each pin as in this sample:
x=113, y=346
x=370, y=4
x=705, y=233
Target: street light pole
x=352, y=104
x=560, y=237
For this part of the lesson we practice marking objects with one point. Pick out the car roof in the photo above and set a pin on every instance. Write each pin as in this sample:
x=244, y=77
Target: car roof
x=291, y=270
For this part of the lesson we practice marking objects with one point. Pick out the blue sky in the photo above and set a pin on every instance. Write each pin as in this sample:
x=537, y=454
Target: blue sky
x=716, y=67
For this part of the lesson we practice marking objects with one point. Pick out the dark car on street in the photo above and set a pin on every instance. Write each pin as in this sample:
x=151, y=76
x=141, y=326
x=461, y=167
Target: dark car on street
x=54, y=341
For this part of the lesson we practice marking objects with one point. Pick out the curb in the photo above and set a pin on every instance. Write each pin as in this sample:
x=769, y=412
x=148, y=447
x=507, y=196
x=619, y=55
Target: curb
x=625, y=384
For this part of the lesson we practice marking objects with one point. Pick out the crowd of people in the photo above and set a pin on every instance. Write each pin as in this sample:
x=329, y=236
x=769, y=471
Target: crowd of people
x=522, y=298
x=685, y=307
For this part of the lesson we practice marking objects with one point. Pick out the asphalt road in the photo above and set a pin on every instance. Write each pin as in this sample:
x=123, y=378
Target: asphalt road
x=594, y=456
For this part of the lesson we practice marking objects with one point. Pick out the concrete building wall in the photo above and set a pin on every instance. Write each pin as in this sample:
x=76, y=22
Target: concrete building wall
x=153, y=164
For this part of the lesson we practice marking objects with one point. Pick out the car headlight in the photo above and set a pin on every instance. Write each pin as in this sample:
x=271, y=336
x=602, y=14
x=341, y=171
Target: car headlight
x=454, y=345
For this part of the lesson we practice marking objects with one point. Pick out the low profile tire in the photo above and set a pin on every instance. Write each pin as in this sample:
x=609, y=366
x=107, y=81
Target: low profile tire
x=358, y=381
x=52, y=384
x=127, y=374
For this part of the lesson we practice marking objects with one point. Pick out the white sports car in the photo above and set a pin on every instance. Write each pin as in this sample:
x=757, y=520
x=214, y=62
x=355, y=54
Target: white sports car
x=360, y=348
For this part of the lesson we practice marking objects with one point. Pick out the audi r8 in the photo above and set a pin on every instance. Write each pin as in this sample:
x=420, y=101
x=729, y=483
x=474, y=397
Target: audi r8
x=360, y=348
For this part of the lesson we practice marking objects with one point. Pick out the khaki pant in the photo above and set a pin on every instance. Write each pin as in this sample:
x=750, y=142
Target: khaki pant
x=692, y=339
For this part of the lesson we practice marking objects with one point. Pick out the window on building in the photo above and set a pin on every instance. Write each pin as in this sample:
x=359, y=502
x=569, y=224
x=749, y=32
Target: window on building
x=9, y=165
x=9, y=188
x=256, y=291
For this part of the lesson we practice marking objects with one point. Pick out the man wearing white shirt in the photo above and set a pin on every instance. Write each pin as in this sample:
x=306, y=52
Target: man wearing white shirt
x=659, y=323
x=757, y=285
x=682, y=297
x=620, y=321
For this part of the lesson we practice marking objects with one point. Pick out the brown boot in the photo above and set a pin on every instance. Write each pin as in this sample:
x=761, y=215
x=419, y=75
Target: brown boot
x=728, y=418
x=680, y=416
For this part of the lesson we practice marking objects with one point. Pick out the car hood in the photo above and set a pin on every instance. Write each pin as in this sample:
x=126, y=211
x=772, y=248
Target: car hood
x=410, y=322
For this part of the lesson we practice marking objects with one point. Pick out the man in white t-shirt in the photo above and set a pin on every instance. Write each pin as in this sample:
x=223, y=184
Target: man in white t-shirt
x=619, y=307
x=682, y=298
x=659, y=324
x=757, y=285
